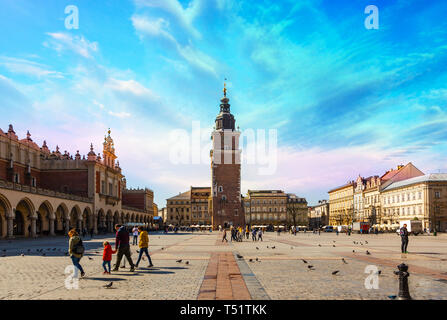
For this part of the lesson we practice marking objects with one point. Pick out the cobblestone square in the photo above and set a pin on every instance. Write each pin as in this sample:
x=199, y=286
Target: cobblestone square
x=271, y=269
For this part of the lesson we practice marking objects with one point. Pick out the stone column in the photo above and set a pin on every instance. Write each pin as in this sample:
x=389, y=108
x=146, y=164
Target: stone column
x=51, y=221
x=95, y=224
x=67, y=226
x=10, y=224
x=33, y=227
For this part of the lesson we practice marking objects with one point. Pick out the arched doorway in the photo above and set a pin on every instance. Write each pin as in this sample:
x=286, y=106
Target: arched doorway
x=42, y=222
x=60, y=221
x=116, y=219
x=109, y=221
x=100, y=221
x=21, y=223
x=4, y=207
x=74, y=217
x=87, y=219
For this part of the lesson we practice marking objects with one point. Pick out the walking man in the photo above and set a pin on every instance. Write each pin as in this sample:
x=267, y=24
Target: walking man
x=123, y=247
x=260, y=235
x=224, y=237
x=144, y=245
x=404, y=238
x=253, y=235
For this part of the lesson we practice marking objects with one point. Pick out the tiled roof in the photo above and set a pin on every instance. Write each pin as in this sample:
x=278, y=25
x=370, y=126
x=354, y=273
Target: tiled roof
x=420, y=179
x=182, y=196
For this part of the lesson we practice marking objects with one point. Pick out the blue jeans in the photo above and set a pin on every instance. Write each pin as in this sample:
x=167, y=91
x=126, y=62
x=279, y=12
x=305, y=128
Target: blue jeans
x=106, y=263
x=76, y=263
x=144, y=250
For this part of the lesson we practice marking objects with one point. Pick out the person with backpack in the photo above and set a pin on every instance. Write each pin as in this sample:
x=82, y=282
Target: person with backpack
x=76, y=250
x=123, y=247
x=404, y=238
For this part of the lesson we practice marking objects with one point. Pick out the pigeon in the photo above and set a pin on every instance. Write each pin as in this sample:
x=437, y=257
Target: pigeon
x=392, y=297
x=239, y=256
x=379, y=272
x=187, y=262
x=162, y=248
x=335, y=272
x=109, y=285
x=319, y=245
x=353, y=250
x=179, y=261
x=273, y=247
x=304, y=261
x=366, y=242
x=90, y=258
x=333, y=245
x=96, y=252
x=361, y=243
x=344, y=261
x=267, y=247
x=367, y=252
x=310, y=267
x=251, y=260
x=257, y=248
x=257, y=259
x=22, y=255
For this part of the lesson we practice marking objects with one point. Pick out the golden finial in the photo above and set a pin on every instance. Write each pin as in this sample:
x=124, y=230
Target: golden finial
x=109, y=131
x=225, y=89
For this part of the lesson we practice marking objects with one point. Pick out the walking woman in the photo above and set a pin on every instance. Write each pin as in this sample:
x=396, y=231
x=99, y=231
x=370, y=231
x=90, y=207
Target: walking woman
x=76, y=250
x=144, y=245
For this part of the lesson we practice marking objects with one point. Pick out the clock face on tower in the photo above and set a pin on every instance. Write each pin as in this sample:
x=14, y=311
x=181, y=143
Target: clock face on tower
x=226, y=170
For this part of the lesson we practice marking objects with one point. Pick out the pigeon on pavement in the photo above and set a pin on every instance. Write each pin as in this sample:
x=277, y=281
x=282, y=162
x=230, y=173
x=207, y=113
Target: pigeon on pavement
x=187, y=262
x=109, y=285
x=179, y=261
x=344, y=261
x=310, y=267
x=335, y=272
x=367, y=252
x=304, y=261
x=239, y=256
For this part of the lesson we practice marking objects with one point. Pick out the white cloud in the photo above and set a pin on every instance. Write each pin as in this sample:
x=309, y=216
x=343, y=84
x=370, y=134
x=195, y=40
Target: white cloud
x=62, y=41
x=27, y=67
x=185, y=17
x=131, y=86
x=121, y=115
x=146, y=26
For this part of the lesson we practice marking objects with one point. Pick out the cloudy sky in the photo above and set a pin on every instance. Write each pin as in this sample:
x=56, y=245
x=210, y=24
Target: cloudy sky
x=344, y=100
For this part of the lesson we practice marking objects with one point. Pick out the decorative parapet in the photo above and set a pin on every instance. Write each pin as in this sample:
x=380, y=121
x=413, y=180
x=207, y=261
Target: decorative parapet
x=136, y=209
x=44, y=192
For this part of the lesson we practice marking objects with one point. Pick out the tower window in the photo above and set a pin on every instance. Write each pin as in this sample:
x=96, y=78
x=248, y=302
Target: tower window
x=220, y=189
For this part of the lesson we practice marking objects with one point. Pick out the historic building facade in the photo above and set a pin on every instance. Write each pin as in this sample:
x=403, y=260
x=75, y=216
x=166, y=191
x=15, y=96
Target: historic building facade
x=341, y=206
x=189, y=208
x=227, y=205
x=47, y=193
x=319, y=214
x=297, y=211
x=421, y=198
x=266, y=207
x=201, y=214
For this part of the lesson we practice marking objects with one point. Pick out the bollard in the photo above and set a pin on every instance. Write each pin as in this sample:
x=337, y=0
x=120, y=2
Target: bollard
x=404, y=292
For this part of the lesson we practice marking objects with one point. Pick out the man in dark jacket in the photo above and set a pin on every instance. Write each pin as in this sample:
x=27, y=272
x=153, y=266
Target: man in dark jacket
x=404, y=238
x=123, y=247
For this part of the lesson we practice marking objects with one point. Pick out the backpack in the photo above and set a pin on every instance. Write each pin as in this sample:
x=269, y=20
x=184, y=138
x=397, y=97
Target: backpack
x=79, y=247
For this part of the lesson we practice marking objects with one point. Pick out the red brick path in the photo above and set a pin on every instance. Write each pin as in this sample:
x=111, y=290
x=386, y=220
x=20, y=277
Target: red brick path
x=223, y=279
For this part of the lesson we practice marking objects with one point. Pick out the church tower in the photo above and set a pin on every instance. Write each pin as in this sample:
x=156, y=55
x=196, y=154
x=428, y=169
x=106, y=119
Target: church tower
x=227, y=207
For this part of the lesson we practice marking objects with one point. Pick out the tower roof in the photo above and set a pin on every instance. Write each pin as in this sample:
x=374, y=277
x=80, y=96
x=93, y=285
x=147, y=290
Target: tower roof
x=225, y=120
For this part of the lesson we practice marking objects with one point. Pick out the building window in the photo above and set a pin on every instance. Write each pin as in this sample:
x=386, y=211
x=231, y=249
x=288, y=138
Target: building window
x=220, y=189
x=33, y=182
x=236, y=213
x=437, y=194
x=103, y=186
x=16, y=178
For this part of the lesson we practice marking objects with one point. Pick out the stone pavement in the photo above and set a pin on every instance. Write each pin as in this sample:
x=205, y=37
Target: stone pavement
x=272, y=269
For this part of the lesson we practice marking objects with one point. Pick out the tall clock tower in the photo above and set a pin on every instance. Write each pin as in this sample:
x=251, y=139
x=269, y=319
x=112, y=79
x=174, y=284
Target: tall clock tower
x=227, y=208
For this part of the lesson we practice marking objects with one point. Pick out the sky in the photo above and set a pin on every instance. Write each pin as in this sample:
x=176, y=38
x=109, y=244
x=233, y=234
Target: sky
x=344, y=100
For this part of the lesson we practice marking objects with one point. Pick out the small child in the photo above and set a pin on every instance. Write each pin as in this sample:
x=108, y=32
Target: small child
x=107, y=256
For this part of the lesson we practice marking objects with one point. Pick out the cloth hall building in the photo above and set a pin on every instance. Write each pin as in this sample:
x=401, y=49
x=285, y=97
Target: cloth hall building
x=45, y=192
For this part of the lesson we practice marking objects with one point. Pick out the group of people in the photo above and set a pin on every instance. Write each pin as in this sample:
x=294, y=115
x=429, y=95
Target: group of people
x=237, y=233
x=122, y=248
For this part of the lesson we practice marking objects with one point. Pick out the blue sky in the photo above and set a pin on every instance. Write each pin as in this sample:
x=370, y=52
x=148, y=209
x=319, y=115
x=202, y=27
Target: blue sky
x=345, y=100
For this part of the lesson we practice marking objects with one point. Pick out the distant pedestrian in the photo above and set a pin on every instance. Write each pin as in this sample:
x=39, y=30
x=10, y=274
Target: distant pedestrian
x=135, y=235
x=224, y=236
x=404, y=238
x=107, y=257
x=247, y=232
x=76, y=250
x=260, y=235
x=122, y=245
x=279, y=231
x=253, y=234
x=91, y=233
x=144, y=246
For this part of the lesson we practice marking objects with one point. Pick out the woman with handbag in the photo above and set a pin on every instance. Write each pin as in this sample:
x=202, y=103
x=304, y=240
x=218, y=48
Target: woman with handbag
x=76, y=250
